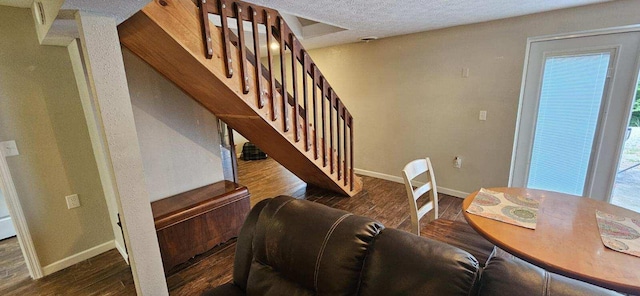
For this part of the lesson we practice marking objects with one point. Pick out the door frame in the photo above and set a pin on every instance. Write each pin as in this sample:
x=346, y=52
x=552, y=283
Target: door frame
x=19, y=220
x=630, y=93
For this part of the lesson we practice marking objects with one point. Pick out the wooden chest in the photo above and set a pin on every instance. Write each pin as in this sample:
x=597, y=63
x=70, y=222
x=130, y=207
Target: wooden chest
x=193, y=222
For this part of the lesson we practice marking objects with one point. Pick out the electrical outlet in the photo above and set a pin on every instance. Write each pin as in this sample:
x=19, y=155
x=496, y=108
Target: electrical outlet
x=483, y=115
x=457, y=162
x=73, y=201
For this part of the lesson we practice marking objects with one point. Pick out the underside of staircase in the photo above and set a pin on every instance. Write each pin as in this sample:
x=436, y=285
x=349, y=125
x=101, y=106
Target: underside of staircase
x=300, y=121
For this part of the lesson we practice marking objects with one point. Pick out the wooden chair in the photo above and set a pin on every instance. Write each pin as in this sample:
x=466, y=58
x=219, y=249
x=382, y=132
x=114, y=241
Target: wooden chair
x=409, y=173
x=456, y=233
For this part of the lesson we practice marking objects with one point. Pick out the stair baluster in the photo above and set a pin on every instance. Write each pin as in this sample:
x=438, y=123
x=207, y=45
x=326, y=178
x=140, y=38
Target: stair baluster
x=294, y=86
x=339, y=159
x=206, y=31
x=243, y=51
x=332, y=103
x=351, y=151
x=305, y=91
x=315, y=111
x=225, y=38
x=344, y=137
x=272, y=78
x=324, y=122
x=256, y=51
x=283, y=74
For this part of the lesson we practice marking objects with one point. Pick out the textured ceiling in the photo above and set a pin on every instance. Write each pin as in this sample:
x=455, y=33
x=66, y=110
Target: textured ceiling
x=383, y=18
x=119, y=9
x=361, y=18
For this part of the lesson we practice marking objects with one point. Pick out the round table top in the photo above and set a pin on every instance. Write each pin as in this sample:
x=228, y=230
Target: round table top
x=566, y=239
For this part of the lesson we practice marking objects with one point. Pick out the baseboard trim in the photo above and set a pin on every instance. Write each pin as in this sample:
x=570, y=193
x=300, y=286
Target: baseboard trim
x=379, y=175
x=122, y=251
x=452, y=192
x=77, y=258
x=448, y=191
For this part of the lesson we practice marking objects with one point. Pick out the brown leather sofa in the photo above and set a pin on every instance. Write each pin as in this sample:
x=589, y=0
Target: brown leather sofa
x=296, y=247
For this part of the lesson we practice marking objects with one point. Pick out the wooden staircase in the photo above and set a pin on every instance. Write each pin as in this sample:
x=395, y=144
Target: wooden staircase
x=289, y=109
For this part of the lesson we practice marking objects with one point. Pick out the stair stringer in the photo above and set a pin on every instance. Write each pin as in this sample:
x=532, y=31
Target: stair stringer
x=169, y=38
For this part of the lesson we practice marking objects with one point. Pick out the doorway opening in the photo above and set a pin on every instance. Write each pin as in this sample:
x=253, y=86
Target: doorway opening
x=12, y=265
x=18, y=245
x=627, y=184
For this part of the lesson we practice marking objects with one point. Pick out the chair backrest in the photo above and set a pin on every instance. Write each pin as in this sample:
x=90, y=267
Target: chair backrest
x=409, y=173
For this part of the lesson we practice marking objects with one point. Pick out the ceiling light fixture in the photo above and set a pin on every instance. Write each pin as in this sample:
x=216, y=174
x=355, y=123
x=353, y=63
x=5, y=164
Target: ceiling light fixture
x=369, y=38
x=275, y=46
x=39, y=11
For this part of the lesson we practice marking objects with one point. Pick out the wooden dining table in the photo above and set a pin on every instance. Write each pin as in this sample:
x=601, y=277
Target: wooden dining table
x=566, y=239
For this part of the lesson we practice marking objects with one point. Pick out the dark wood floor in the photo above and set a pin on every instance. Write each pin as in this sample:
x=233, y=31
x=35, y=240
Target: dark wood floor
x=12, y=269
x=108, y=274
x=382, y=200
x=105, y=274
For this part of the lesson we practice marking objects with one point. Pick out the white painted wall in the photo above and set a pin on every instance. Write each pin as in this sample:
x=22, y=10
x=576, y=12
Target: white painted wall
x=179, y=139
x=409, y=99
x=108, y=84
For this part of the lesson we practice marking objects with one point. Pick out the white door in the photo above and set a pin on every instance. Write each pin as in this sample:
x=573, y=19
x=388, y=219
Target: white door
x=574, y=111
x=6, y=225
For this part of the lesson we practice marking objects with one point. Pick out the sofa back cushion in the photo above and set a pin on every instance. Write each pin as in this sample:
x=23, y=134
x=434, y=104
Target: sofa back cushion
x=504, y=274
x=304, y=248
x=400, y=263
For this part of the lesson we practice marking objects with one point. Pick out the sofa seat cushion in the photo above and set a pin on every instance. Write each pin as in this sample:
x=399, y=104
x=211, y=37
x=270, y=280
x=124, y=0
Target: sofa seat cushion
x=320, y=249
x=403, y=264
x=504, y=274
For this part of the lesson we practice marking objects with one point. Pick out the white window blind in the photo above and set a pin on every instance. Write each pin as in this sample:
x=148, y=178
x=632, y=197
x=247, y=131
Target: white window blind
x=570, y=99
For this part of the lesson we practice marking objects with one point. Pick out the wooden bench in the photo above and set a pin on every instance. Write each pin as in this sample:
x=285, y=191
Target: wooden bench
x=193, y=222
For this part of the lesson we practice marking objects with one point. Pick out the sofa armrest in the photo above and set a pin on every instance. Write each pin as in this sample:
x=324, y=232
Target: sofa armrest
x=505, y=273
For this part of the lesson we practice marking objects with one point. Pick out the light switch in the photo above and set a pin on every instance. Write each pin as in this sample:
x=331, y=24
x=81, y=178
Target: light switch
x=72, y=201
x=9, y=148
x=483, y=115
x=465, y=72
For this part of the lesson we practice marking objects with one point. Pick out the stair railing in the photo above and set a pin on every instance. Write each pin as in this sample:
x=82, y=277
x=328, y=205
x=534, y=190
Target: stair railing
x=338, y=152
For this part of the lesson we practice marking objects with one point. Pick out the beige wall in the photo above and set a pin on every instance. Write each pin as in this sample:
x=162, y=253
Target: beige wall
x=96, y=135
x=179, y=139
x=239, y=140
x=41, y=110
x=409, y=99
